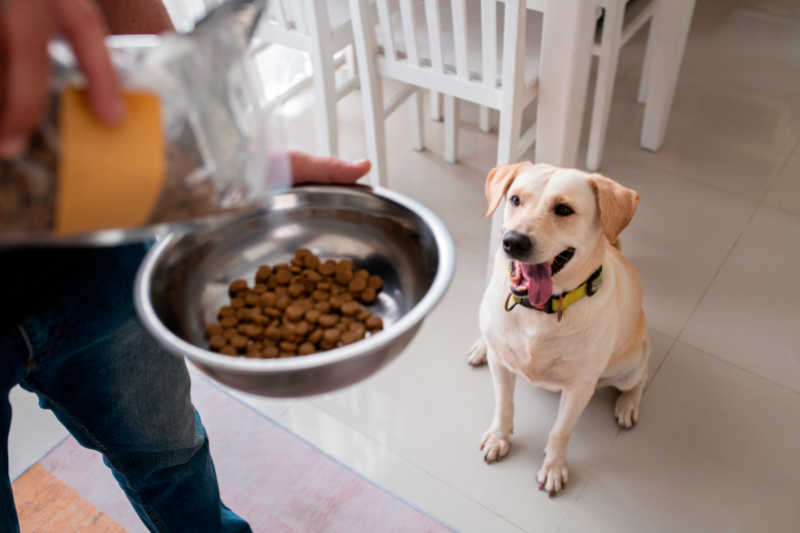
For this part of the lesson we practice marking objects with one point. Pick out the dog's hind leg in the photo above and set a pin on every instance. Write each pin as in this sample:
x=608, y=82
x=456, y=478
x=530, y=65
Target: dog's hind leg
x=627, y=408
x=477, y=354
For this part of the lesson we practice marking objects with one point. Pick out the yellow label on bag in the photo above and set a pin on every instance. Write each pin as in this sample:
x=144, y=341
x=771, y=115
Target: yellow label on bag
x=109, y=176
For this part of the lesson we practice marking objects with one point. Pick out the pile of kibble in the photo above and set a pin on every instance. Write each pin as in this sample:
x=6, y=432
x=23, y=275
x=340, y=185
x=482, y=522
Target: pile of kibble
x=301, y=308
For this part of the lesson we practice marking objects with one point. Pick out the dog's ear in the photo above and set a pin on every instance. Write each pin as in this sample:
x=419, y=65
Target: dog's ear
x=498, y=181
x=617, y=205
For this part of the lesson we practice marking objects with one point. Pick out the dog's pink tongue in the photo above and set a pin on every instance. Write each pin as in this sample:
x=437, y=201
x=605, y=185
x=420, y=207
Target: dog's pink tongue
x=540, y=282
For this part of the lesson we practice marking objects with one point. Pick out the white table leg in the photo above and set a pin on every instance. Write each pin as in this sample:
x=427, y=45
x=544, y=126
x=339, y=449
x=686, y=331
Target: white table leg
x=567, y=38
x=670, y=28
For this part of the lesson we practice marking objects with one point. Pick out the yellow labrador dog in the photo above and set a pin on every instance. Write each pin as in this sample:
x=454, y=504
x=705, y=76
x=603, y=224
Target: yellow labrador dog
x=563, y=308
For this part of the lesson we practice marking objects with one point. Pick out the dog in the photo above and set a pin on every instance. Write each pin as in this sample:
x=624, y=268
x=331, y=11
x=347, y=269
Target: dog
x=563, y=307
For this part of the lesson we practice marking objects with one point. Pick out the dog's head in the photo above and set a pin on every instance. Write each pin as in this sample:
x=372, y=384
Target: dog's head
x=556, y=222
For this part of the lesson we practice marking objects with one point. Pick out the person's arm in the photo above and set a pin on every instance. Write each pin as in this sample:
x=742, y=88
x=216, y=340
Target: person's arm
x=136, y=17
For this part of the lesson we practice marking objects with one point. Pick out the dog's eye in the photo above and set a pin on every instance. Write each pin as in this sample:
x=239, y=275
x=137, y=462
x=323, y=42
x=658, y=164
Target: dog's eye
x=564, y=210
x=515, y=200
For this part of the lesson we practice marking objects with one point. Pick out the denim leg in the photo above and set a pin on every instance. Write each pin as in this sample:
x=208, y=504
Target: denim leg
x=13, y=356
x=119, y=393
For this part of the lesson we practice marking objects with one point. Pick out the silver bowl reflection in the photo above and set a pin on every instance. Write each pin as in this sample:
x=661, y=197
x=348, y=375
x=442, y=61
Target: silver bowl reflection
x=184, y=280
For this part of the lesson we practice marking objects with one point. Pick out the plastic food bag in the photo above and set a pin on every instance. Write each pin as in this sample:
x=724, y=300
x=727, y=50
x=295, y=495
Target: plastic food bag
x=213, y=160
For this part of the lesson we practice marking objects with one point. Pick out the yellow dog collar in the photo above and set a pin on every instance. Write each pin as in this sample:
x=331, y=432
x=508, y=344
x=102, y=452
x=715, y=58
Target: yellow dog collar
x=556, y=304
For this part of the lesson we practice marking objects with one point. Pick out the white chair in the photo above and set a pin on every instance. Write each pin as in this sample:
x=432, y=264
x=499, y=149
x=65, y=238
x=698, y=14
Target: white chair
x=419, y=46
x=622, y=19
x=323, y=29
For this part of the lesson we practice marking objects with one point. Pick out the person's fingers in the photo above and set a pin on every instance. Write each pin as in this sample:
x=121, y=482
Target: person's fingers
x=26, y=29
x=317, y=169
x=82, y=24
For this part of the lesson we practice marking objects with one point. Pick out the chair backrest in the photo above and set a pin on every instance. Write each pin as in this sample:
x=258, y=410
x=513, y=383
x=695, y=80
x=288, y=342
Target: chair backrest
x=289, y=14
x=403, y=50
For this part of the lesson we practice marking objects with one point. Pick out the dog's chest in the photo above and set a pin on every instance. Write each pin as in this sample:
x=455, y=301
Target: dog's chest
x=542, y=353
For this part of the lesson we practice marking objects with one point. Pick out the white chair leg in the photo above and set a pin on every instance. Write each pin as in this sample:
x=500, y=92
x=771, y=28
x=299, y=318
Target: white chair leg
x=350, y=61
x=648, y=60
x=436, y=106
x=484, y=123
x=324, y=76
x=371, y=92
x=416, y=113
x=495, y=237
x=671, y=26
x=450, y=128
x=606, y=74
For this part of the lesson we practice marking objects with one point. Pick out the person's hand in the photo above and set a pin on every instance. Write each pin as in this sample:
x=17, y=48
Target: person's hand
x=308, y=168
x=25, y=29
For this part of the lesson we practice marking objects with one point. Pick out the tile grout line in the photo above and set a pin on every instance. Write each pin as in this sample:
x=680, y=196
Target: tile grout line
x=407, y=460
x=759, y=204
x=774, y=179
x=710, y=185
x=734, y=365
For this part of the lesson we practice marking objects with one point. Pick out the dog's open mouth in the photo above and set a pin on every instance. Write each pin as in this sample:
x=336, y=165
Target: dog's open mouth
x=536, y=281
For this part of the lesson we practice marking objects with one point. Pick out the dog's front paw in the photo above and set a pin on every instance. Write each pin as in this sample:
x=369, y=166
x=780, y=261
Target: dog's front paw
x=494, y=445
x=477, y=354
x=553, y=476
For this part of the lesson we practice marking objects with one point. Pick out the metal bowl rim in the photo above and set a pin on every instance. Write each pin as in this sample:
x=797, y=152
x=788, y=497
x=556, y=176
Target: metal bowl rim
x=176, y=345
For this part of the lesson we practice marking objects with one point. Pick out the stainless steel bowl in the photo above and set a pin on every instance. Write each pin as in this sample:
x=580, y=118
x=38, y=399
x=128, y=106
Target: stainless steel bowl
x=184, y=280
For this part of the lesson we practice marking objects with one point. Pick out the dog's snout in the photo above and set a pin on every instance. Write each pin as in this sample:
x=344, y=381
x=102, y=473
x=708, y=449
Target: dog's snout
x=516, y=244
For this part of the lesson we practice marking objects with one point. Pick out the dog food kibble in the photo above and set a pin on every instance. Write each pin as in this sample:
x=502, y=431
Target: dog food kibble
x=374, y=322
x=287, y=346
x=239, y=342
x=343, y=277
x=327, y=321
x=375, y=282
x=350, y=308
x=306, y=348
x=283, y=276
x=302, y=307
x=349, y=337
x=315, y=336
x=312, y=315
x=313, y=276
x=331, y=335
x=357, y=285
x=368, y=295
x=263, y=274
x=270, y=352
x=295, y=311
x=323, y=307
x=217, y=342
x=238, y=286
x=283, y=301
x=229, y=322
x=311, y=261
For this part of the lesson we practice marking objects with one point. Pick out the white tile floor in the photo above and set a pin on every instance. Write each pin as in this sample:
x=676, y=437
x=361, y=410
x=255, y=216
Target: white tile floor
x=715, y=241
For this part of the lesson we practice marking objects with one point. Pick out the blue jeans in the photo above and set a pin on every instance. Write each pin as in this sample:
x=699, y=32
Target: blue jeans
x=117, y=392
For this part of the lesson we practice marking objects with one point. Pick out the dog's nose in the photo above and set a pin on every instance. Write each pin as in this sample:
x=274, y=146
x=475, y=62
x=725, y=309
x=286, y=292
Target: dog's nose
x=516, y=244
